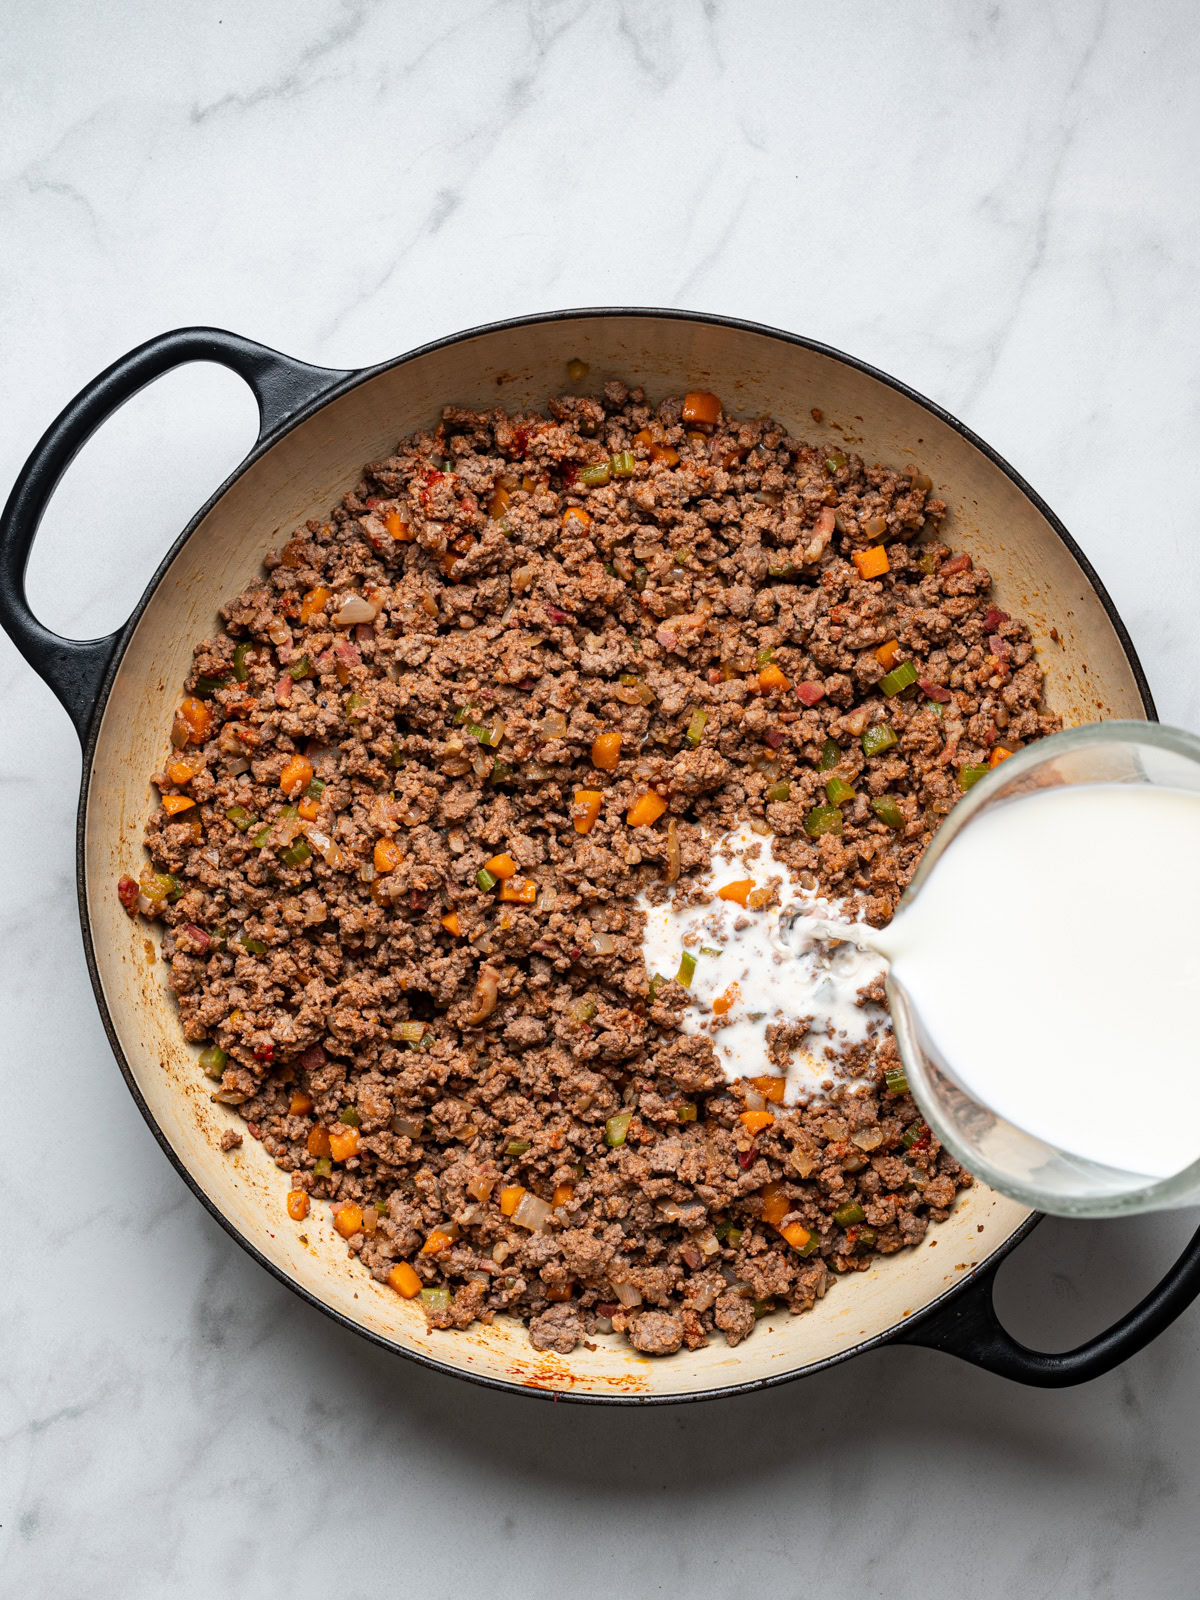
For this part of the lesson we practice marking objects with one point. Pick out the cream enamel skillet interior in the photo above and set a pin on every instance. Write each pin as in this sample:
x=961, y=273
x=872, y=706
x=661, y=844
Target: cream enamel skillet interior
x=318, y=427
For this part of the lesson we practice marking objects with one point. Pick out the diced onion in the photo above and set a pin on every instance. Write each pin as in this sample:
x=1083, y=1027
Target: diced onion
x=627, y=1294
x=354, y=609
x=867, y=1138
x=532, y=1213
x=486, y=993
x=407, y=1127
x=702, y=1298
x=604, y=944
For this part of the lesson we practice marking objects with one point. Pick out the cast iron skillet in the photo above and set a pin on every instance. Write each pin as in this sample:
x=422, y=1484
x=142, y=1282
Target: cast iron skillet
x=317, y=427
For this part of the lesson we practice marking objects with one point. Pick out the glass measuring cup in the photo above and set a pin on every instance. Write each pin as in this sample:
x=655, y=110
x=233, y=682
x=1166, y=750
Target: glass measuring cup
x=994, y=1149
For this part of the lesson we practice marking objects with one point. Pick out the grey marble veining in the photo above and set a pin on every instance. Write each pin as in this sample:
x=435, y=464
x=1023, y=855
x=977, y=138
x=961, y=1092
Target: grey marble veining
x=997, y=203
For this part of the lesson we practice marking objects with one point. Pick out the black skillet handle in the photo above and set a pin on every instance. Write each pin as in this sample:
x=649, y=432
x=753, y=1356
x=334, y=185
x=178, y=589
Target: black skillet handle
x=967, y=1326
x=75, y=668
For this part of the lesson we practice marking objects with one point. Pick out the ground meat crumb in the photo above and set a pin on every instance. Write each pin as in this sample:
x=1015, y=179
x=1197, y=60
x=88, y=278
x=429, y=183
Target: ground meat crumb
x=230, y=1140
x=557, y=1329
x=656, y=1333
x=734, y=1316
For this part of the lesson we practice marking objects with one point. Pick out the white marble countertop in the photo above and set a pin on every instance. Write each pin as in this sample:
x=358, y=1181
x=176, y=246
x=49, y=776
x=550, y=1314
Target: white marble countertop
x=997, y=203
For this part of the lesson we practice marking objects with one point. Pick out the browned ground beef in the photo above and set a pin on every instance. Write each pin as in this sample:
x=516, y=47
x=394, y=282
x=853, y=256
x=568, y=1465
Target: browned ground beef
x=451, y=1063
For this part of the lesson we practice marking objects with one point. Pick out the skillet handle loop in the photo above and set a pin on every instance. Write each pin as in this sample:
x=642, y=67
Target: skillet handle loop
x=967, y=1326
x=75, y=669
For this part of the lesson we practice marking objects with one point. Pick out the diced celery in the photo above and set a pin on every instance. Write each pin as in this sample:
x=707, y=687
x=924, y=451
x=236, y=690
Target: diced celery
x=616, y=1129
x=886, y=809
x=831, y=754
x=837, y=792
x=212, y=1061
x=898, y=678
x=822, y=820
x=877, y=738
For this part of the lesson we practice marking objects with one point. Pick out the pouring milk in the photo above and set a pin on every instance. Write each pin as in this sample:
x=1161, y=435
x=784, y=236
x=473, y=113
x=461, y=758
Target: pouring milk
x=1053, y=958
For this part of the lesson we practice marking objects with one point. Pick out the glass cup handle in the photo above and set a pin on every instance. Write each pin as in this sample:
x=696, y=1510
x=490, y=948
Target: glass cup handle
x=966, y=1325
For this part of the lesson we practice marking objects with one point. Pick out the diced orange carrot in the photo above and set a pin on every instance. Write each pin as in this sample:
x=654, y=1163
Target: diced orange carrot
x=738, y=890
x=300, y=1104
x=404, y=1280
x=397, y=527
x=587, y=808
x=771, y=680
x=511, y=1198
x=173, y=804
x=559, y=1291
x=795, y=1235
x=198, y=718
x=386, y=855
x=998, y=755
x=725, y=1002
x=644, y=437
x=887, y=653
x=664, y=452
x=575, y=520
x=699, y=406
x=501, y=866
x=756, y=1121
x=315, y=600
x=522, y=890
x=309, y=809
x=528, y=484
x=452, y=924
x=181, y=772
x=436, y=1243
x=318, y=1140
x=606, y=751
x=646, y=809
x=771, y=1088
x=348, y=1220
x=872, y=563
x=343, y=1143
x=776, y=1204
x=498, y=504
x=562, y=1194
x=296, y=775
x=297, y=1205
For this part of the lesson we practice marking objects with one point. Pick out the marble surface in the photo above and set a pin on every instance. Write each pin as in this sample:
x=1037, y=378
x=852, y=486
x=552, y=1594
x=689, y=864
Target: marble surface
x=996, y=202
